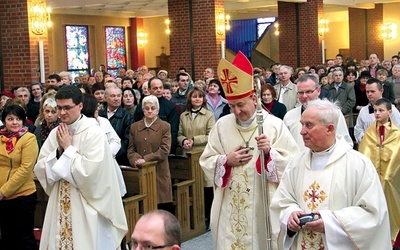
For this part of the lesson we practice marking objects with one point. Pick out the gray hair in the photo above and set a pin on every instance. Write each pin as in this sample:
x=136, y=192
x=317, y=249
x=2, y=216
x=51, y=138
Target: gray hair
x=107, y=91
x=137, y=93
x=50, y=102
x=145, y=85
x=328, y=112
x=23, y=89
x=286, y=67
x=396, y=66
x=67, y=74
x=313, y=77
x=151, y=99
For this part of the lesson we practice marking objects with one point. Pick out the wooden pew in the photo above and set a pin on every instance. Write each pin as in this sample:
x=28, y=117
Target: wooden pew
x=141, y=195
x=187, y=179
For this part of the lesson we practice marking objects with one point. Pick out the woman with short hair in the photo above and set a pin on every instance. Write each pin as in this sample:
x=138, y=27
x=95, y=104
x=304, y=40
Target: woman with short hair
x=18, y=153
x=216, y=98
x=269, y=102
x=150, y=140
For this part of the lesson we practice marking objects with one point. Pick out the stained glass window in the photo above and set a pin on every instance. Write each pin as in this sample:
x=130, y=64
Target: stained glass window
x=77, y=49
x=115, y=49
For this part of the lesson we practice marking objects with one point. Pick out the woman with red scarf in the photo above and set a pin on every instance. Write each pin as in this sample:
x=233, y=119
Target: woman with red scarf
x=269, y=102
x=18, y=153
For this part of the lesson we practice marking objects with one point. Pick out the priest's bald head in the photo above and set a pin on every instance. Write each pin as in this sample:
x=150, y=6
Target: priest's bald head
x=319, y=122
x=157, y=229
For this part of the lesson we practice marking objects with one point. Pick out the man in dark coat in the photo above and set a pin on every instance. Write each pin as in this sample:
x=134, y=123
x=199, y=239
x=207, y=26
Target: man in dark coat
x=120, y=120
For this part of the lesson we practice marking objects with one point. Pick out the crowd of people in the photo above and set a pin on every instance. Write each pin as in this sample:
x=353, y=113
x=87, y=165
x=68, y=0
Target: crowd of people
x=75, y=134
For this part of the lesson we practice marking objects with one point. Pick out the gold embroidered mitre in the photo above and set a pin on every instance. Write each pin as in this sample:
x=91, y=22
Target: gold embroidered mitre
x=236, y=77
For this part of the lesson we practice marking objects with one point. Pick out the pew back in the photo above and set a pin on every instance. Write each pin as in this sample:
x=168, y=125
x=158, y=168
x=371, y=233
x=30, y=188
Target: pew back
x=187, y=179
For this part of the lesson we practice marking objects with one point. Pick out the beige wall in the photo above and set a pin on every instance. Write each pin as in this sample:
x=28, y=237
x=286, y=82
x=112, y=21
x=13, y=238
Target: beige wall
x=391, y=15
x=157, y=38
x=96, y=24
x=338, y=35
x=269, y=45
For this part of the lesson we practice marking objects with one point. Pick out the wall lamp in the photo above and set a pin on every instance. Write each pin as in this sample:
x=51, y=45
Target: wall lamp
x=141, y=38
x=276, y=26
x=167, y=28
x=389, y=31
x=39, y=17
x=323, y=27
x=223, y=23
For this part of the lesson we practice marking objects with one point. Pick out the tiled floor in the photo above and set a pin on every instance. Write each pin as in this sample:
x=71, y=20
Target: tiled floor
x=202, y=242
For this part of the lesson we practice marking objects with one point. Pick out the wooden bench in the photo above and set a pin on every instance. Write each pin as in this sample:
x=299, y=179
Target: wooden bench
x=141, y=195
x=188, y=186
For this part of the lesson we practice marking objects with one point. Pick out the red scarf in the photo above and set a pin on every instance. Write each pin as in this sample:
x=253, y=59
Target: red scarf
x=10, y=138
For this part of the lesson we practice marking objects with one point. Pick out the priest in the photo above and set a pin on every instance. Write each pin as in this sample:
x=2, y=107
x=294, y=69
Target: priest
x=334, y=186
x=76, y=169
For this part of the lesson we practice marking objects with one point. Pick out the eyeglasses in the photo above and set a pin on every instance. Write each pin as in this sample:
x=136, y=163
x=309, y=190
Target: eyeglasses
x=308, y=92
x=135, y=245
x=66, y=108
x=152, y=108
x=20, y=96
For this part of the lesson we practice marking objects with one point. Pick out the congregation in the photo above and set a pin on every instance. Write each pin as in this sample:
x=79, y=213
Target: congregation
x=146, y=116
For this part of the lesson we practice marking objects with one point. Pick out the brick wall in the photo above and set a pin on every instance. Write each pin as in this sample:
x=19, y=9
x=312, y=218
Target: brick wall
x=375, y=21
x=364, y=27
x=306, y=49
x=20, y=51
x=205, y=49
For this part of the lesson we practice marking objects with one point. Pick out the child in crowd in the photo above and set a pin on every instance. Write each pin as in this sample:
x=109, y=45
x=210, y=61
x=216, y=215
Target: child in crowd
x=381, y=143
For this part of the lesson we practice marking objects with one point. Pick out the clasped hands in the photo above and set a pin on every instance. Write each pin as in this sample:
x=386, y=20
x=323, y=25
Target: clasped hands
x=294, y=223
x=64, y=137
x=138, y=162
x=187, y=144
x=241, y=156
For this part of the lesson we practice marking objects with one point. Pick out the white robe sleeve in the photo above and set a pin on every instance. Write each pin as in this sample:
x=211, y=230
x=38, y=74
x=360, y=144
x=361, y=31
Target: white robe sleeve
x=287, y=241
x=335, y=236
x=61, y=168
x=359, y=127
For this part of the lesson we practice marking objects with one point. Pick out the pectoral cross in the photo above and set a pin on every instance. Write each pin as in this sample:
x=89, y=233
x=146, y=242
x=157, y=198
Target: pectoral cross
x=247, y=146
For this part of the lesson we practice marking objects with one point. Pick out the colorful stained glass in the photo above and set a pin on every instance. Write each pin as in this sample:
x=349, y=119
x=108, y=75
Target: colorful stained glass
x=77, y=48
x=115, y=48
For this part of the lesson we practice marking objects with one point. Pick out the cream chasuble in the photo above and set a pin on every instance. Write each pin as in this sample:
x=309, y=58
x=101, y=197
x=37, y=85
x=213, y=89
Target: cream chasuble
x=85, y=209
x=342, y=193
x=237, y=210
